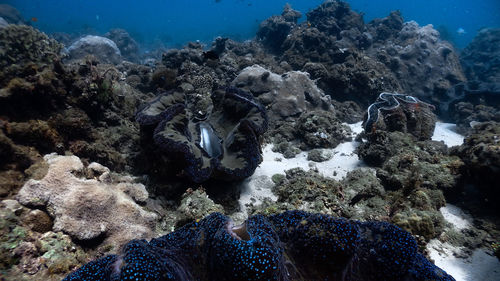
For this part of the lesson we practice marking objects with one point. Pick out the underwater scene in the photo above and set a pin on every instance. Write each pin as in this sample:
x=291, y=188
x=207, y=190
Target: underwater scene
x=250, y=140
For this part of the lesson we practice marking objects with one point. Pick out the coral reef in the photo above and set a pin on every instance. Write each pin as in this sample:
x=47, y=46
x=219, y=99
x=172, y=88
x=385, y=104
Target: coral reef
x=129, y=49
x=286, y=95
x=273, y=31
x=407, y=163
x=397, y=112
x=101, y=47
x=354, y=61
x=467, y=114
x=89, y=204
x=481, y=155
x=82, y=107
x=342, y=71
x=21, y=44
x=309, y=77
x=216, y=137
x=477, y=100
x=424, y=65
x=361, y=195
x=479, y=58
x=313, y=129
x=29, y=251
x=289, y=246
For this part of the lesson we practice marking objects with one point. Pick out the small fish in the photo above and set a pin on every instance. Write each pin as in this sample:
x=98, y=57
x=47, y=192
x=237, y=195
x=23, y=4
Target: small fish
x=96, y=17
x=33, y=19
x=461, y=31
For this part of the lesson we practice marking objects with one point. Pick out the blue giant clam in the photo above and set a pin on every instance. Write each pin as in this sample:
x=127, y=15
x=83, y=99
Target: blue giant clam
x=294, y=245
x=220, y=140
x=399, y=112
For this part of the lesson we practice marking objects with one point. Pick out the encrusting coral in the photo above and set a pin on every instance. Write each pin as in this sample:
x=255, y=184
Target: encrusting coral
x=294, y=245
x=87, y=203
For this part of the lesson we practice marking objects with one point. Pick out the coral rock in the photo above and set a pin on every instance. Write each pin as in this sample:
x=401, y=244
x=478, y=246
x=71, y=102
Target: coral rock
x=480, y=57
x=287, y=95
x=129, y=48
x=22, y=44
x=398, y=112
x=88, y=208
x=103, y=48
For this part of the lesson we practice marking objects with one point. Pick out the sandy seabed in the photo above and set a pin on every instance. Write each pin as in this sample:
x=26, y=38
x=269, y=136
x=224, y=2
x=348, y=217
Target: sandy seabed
x=479, y=267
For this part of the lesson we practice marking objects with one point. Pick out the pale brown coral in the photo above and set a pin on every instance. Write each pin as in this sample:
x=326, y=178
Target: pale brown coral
x=88, y=203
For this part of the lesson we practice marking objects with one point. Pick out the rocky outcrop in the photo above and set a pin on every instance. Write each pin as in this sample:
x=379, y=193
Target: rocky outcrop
x=355, y=61
x=424, y=65
x=274, y=30
x=408, y=164
x=480, y=57
x=286, y=95
x=129, y=48
x=478, y=100
x=101, y=47
x=481, y=154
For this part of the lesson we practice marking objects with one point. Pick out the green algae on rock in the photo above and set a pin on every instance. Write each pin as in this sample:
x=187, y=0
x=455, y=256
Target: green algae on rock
x=27, y=254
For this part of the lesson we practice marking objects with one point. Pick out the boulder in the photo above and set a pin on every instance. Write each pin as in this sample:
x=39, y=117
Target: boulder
x=102, y=48
x=286, y=95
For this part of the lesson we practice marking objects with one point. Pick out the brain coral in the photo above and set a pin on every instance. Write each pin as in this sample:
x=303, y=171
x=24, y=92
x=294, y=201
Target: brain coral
x=294, y=245
x=219, y=138
x=93, y=207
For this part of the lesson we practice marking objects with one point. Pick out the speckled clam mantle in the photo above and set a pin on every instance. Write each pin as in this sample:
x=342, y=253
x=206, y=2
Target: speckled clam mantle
x=294, y=245
x=219, y=139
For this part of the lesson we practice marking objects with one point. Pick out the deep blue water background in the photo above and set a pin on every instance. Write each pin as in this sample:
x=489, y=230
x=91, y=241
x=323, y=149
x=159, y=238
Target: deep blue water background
x=174, y=22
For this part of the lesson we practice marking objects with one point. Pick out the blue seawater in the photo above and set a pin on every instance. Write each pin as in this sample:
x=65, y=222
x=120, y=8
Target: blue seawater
x=172, y=23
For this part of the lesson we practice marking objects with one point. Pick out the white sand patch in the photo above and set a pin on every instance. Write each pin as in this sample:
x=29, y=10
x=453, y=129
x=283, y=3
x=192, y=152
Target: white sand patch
x=446, y=132
x=481, y=266
x=257, y=187
x=456, y=216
